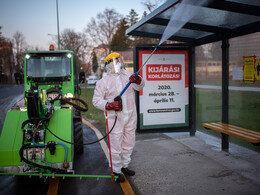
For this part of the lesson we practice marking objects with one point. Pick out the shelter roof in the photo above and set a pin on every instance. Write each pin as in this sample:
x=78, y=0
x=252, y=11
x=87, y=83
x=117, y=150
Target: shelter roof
x=216, y=20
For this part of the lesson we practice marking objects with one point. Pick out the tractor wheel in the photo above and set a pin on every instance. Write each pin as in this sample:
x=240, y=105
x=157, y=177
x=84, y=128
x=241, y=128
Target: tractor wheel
x=78, y=138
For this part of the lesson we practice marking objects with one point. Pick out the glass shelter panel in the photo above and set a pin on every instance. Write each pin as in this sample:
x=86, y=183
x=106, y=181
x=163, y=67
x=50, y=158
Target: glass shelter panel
x=208, y=84
x=209, y=64
x=244, y=95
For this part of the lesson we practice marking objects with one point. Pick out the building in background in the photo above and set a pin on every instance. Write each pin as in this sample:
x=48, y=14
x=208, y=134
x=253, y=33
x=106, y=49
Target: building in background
x=100, y=53
x=6, y=63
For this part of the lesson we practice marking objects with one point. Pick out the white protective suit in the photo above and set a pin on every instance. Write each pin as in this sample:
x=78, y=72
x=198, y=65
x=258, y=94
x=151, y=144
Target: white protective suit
x=122, y=138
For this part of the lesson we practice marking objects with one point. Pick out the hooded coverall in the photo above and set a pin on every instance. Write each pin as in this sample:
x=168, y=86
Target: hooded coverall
x=122, y=137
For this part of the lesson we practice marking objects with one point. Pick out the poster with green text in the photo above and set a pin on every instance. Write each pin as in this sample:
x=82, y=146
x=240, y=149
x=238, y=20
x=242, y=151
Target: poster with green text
x=164, y=101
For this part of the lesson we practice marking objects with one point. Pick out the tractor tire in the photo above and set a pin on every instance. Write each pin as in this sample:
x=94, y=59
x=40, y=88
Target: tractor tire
x=78, y=138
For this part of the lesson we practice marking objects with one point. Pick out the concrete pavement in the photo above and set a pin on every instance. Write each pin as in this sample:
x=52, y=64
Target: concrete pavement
x=176, y=163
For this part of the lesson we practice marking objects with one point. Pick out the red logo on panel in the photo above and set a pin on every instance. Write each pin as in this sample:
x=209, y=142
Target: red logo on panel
x=163, y=72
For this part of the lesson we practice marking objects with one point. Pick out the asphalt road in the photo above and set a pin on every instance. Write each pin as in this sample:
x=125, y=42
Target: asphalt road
x=9, y=95
x=10, y=91
x=92, y=162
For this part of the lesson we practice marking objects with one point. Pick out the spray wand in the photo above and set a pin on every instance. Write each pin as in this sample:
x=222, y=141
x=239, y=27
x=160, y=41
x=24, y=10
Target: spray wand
x=136, y=74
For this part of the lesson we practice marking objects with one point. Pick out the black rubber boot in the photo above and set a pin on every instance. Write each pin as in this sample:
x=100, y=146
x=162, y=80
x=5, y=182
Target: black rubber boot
x=120, y=177
x=128, y=172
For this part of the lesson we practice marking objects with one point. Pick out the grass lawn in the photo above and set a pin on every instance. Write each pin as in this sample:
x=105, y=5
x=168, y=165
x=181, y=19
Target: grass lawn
x=94, y=115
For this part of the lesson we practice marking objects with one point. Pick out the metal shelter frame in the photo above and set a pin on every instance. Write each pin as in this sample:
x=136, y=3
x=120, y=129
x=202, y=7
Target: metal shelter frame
x=217, y=20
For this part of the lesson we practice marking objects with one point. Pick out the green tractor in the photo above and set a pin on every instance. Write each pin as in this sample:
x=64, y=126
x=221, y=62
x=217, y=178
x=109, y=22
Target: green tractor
x=42, y=136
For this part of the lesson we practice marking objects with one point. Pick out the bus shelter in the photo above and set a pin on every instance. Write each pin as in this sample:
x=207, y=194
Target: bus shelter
x=220, y=52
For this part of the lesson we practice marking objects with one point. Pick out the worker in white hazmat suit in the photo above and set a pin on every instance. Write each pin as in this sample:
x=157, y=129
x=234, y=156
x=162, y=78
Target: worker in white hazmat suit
x=122, y=137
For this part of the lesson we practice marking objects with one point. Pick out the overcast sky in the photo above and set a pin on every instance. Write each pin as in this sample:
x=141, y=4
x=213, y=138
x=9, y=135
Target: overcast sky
x=37, y=18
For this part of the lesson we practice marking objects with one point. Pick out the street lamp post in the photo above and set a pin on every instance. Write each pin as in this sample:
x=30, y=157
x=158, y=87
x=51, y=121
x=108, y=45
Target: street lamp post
x=58, y=24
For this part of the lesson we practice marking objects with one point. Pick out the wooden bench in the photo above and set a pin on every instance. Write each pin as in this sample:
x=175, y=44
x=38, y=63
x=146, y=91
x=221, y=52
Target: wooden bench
x=238, y=132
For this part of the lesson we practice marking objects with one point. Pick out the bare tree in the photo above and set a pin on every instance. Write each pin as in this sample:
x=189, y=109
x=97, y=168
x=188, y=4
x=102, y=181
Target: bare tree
x=19, y=46
x=1, y=37
x=102, y=28
x=151, y=5
x=6, y=59
x=76, y=42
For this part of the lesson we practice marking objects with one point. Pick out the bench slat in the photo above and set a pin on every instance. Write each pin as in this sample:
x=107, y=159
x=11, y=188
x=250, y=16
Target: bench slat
x=240, y=130
x=232, y=133
x=224, y=128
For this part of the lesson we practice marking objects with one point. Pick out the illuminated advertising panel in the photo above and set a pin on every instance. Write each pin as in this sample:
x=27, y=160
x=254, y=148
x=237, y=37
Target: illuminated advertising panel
x=164, y=101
